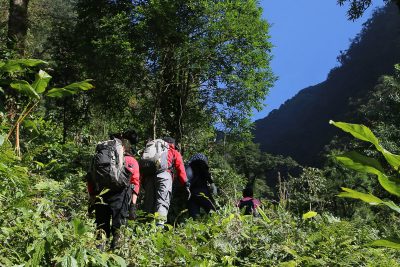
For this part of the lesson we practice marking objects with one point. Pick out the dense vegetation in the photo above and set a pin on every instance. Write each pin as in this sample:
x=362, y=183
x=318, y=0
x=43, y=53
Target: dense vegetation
x=194, y=70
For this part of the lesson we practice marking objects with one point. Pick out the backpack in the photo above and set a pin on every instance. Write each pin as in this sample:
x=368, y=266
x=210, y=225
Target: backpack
x=108, y=166
x=155, y=158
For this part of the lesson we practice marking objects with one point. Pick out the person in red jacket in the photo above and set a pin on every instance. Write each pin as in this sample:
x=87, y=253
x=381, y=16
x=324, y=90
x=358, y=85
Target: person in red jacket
x=248, y=203
x=158, y=188
x=113, y=208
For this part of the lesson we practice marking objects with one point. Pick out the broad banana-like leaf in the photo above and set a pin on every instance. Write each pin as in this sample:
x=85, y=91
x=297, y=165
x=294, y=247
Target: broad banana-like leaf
x=70, y=89
x=41, y=81
x=25, y=88
x=360, y=163
x=364, y=133
x=368, y=198
x=17, y=65
x=390, y=184
x=359, y=131
x=386, y=243
x=309, y=215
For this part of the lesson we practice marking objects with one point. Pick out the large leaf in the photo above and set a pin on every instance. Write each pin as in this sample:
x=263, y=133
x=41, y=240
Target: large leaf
x=364, y=133
x=17, y=65
x=360, y=163
x=391, y=184
x=70, y=89
x=41, y=81
x=368, y=198
x=358, y=131
x=309, y=215
x=386, y=243
x=25, y=88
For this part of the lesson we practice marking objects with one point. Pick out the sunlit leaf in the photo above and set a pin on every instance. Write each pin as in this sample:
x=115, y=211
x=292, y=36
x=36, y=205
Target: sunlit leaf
x=41, y=81
x=358, y=162
x=386, y=243
x=70, y=89
x=18, y=65
x=369, y=198
x=309, y=215
x=79, y=227
x=364, y=133
x=120, y=261
x=24, y=88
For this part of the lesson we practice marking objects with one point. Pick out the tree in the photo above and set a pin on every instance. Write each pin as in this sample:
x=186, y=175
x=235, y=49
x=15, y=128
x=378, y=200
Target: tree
x=358, y=7
x=18, y=25
x=181, y=62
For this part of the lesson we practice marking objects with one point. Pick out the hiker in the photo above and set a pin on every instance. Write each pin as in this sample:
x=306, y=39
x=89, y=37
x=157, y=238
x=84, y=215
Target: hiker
x=202, y=186
x=113, y=196
x=248, y=203
x=159, y=159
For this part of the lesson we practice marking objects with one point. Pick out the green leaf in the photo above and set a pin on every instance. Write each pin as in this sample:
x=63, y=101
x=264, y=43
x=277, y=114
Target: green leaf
x=390, y=184
x=359, y=131
x=369, y=198
x=69, y=261
x=17, y=65
x=79, y=227
x=2, y=138
x=41, y=81
x=263, y=215
x=386, y=243
x=364, y=133
x=309, y=215
x=361, y=163
x=25, y=88
x=70, y=89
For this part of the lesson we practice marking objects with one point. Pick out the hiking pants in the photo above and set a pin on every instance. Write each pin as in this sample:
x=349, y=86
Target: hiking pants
x=158, y=192
x=200, y=199
x=112, y=214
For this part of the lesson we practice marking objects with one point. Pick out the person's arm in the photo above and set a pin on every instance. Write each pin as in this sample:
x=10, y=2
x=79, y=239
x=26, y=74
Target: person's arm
x=180, y=167
x=133, y=167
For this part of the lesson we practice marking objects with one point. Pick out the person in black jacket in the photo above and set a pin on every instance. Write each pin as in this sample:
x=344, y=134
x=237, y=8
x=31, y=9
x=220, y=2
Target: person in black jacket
x=201, y=185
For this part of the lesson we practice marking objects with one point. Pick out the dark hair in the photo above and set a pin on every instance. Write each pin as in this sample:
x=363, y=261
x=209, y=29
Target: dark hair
x=131, y=136
x=248, y=192
x=169, y=140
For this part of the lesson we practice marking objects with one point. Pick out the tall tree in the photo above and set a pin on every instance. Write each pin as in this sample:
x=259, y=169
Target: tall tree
x=358, y=7
x=18, y=25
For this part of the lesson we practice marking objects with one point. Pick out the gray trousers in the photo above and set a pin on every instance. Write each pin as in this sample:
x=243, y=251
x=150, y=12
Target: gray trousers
x=158, y=192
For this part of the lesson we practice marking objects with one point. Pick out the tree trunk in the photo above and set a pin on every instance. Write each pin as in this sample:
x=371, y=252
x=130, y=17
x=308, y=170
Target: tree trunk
x=17, y=25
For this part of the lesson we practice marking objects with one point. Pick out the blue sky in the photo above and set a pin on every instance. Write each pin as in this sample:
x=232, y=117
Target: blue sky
x=308, y=36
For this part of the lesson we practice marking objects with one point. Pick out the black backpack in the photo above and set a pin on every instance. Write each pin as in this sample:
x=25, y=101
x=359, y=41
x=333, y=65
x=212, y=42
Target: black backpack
x=108, y=167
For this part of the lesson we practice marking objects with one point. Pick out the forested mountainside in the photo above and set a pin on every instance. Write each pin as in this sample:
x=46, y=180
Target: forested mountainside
x=300, y=127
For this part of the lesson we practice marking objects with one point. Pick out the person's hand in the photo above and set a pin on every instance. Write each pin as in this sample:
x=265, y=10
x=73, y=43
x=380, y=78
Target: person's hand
x=214, y=189
x=132, y=212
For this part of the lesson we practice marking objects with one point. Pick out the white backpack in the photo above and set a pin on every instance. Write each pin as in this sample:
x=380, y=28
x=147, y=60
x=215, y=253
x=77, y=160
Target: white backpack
x=155, y=158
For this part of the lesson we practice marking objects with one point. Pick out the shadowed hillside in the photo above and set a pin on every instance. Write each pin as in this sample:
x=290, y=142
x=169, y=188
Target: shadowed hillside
x=300, y=128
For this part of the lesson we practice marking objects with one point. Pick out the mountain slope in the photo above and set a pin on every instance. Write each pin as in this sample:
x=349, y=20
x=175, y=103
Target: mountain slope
x=300, y=128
